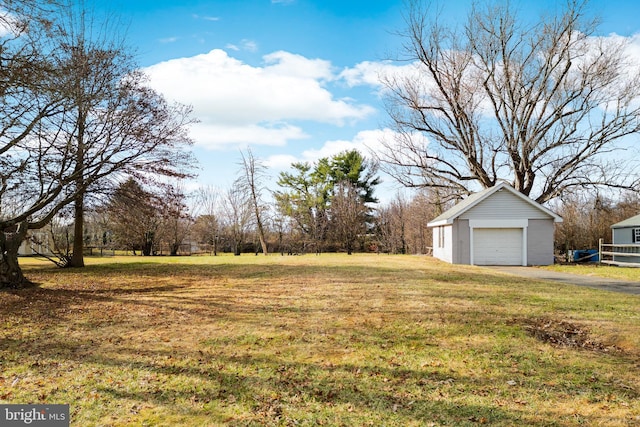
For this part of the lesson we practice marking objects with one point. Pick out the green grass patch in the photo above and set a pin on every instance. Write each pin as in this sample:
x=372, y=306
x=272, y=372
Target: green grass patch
x=631, y=274
x=317, y=340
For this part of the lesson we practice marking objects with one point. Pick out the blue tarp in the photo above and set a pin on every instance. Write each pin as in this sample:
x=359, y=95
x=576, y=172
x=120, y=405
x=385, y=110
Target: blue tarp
x=586, y=255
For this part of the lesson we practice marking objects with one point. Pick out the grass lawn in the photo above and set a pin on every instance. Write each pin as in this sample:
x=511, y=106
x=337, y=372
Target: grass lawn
x=609, y=271
x=317, y=340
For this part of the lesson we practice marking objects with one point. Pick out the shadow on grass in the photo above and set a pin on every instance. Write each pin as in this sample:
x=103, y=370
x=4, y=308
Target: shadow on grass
x=267, y=383
x=273, y=390
x=109, y=282
x=270, y=390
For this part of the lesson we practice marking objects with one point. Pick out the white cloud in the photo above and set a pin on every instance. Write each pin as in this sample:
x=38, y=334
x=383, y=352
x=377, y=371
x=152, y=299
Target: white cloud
x=366, y=142
x=366, y=72
x=215, y=135
x=632, y=52
x=245, y=44
x=9, y=24
x=207, y=18
x=168, y=40
x=363, y=141
x=297, y=66
x=280, y=161
x=238, y=103
x=369, y=73
x=373, y=73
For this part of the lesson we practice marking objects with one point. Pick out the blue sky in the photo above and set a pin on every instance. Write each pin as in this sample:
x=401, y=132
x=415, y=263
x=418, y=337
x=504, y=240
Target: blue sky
x=344, y=31
x=294, y=80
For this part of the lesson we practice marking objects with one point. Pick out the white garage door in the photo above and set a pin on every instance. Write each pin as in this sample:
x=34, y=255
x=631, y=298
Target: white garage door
x=497, y=246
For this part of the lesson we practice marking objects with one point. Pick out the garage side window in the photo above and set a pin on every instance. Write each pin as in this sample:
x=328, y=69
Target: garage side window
x=636, y=235
x=441, y=237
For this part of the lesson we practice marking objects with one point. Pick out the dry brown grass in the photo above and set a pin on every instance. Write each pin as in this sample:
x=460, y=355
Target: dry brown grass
x=316, y=340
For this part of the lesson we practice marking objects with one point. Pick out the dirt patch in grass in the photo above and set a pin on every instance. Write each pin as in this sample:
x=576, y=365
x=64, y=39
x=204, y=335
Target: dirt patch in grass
x=563, y=333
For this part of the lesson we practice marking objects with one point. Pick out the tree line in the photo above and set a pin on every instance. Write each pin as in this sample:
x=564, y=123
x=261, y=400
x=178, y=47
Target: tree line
x=326, y=206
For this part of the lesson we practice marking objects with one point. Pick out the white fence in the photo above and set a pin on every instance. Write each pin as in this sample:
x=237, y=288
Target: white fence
x=624, y=255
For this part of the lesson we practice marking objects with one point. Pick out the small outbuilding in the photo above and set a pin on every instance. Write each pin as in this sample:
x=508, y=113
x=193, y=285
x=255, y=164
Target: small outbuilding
x=626, y=238
x=38, y=242
x=497, y=226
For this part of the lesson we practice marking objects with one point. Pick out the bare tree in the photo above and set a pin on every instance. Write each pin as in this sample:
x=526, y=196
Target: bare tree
x=133, y=133
x=251, y=181
x=425, y=205
x=27, y=102
x=134, y=217
x=543, y=106
x=176, y=220
x=92, y=70
x=402, y=224
x=97, y=232
x=392, y=226
x=236, y=218
x=101, y=80
x=207, y=212
x=588, y=218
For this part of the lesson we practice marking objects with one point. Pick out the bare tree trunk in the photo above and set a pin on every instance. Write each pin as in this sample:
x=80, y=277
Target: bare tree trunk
x=263, y=241
x=77, y=256
x=253, y=171
x=147, y=245
x=10, y=272
x=174, y=248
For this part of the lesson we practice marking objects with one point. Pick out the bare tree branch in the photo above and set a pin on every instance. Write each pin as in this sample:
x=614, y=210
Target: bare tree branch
x=543, y=106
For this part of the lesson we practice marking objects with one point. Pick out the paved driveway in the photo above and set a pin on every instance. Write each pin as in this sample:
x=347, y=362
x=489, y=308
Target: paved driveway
x=613, y=285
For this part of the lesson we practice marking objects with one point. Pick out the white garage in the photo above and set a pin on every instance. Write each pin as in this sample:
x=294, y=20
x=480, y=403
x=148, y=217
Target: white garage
x=497, y=226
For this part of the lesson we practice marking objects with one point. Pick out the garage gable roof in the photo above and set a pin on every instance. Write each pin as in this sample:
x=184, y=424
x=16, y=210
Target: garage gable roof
x=450, y=215
x=634, y=221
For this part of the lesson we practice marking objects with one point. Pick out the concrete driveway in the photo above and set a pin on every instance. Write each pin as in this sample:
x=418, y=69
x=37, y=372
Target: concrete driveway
x=613, y=285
